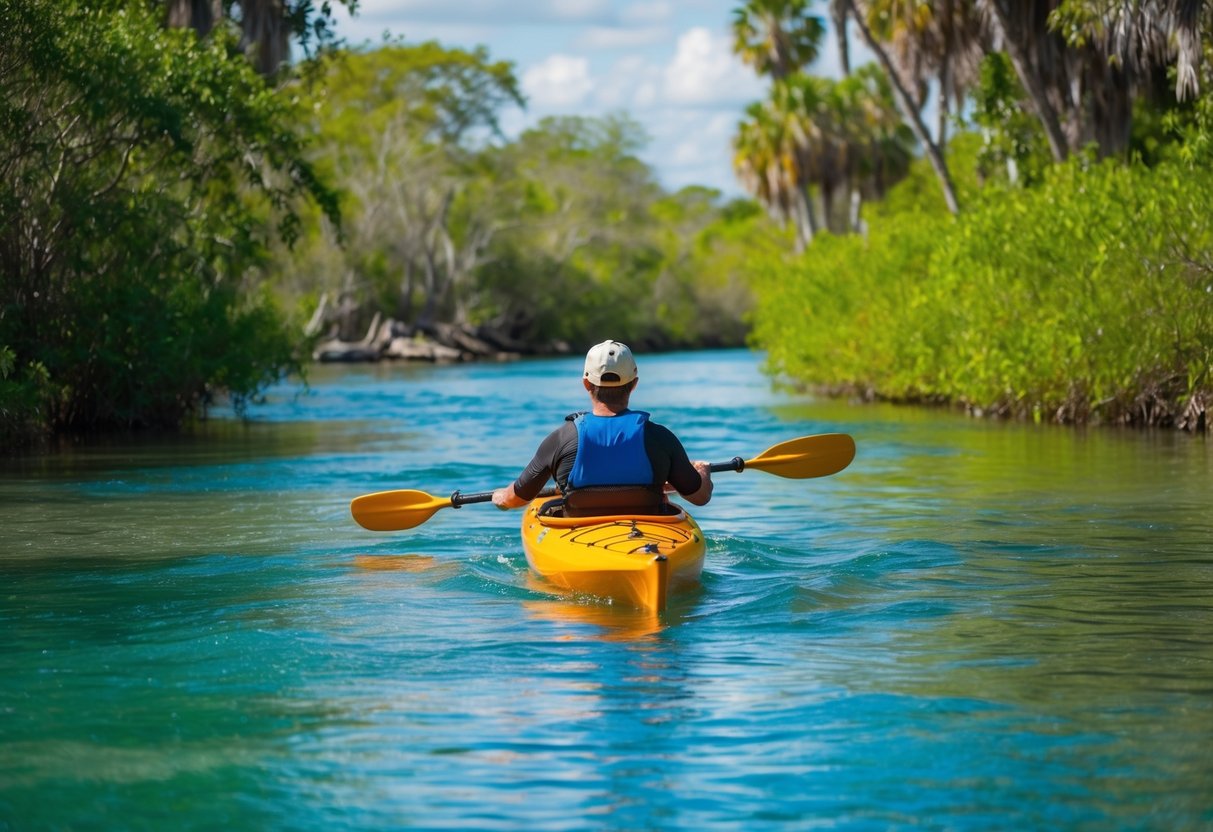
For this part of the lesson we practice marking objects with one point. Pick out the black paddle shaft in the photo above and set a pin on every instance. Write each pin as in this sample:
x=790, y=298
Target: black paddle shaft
x=734, y=464
x=458, y=498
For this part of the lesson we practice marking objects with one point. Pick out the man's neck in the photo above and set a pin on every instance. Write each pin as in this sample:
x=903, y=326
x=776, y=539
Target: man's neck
x=600, y=409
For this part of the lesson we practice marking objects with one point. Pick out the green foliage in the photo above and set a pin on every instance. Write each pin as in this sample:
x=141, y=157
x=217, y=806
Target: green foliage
x=554, y=237
x=142, y=175
x=1089, y=296
x=1014, y=147
x=25, y=394
x=441, y=95
x=595, y=246
x=580, y=255
x=402, y=131
x=1193, y=124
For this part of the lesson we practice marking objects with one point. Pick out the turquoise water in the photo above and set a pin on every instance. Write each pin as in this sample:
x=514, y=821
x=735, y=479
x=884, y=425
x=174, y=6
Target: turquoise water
x=975, y=626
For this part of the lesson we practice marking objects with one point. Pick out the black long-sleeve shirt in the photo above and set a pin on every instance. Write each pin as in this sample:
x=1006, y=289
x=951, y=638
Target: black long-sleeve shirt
x=558, y=451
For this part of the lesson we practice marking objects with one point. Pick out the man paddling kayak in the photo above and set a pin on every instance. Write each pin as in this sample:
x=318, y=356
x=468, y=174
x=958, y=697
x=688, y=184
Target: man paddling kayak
x=610, y=459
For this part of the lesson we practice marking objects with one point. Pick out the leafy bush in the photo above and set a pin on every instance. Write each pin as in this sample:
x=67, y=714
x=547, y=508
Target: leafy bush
x=1089, y=296
x=143, y=174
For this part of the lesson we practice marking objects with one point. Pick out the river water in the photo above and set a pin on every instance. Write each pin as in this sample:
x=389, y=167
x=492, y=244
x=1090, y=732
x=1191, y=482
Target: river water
x=977, y=625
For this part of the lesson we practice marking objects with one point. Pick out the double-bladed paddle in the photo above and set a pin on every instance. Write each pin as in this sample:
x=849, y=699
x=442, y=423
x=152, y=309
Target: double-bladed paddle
x=389, y=511
x=808, y=456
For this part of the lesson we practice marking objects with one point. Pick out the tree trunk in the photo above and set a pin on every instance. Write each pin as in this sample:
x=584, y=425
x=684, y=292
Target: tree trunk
x=264, y=34
x=804, y=218
x=945, y=75
x=404, y=303
x=1109, y=104
x=1013, y=38
x=838, y=14
x=199, y=15
x=911, y=113
x=429, y=311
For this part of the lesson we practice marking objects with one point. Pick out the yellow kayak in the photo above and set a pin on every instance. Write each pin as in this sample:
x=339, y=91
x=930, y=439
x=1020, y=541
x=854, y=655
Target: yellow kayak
x=635, y=560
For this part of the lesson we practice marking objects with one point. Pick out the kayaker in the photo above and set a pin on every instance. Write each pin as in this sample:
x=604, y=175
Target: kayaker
x=610, y=459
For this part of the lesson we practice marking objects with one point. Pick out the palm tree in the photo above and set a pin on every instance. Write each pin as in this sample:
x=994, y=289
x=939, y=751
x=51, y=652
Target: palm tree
x=1141, y=33
x=879, y=146
x=777, y=37
x=767, y=161
x=936, y=44
x=803, y=103
x=1117, y=51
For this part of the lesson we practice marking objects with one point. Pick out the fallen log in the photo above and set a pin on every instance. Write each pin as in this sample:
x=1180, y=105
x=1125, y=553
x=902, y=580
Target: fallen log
x=414, y=349
x=368, y=349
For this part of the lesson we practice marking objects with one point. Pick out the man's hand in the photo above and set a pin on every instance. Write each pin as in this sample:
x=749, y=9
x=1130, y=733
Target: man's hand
x=505, y=498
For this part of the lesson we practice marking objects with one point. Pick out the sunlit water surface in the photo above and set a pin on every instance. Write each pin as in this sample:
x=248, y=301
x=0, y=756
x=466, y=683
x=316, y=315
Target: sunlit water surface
x=976, y=626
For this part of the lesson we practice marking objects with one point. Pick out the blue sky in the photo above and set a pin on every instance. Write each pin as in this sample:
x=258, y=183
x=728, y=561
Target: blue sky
x=667, y=63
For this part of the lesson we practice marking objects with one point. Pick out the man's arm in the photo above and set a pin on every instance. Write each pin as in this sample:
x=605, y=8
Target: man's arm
x=693, y=480
x=701, y=497
x=535, y=476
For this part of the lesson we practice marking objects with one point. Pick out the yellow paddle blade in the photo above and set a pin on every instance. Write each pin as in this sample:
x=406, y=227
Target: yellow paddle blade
x=389, y=511
x=808, y=456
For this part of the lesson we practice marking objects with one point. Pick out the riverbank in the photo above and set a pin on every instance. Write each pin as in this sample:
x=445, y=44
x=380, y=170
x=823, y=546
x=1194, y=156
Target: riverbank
x=1155, y=401
x=441, y=342
x=1085, y=299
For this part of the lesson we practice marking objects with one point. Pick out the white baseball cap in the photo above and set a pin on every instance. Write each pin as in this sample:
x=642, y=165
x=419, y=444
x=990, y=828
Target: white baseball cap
x=610, y=364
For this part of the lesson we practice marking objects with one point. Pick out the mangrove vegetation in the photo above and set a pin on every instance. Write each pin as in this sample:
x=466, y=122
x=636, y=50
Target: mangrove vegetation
x=1049, y=254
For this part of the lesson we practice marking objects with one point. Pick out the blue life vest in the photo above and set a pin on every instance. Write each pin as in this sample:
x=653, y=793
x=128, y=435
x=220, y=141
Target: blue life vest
x=610, y=451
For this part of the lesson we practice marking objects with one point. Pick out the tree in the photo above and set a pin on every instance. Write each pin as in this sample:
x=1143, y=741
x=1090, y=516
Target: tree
x=1039, y=63
x=934, y=46
x=266, y=26
x=839, y=14
x=405, y=128
x=1142, y=33
x=879, y=147
x=1119, y=54
x=769, y=164
x=142, y=176
x=583, y=235
x=908, y=104
x=777, y=37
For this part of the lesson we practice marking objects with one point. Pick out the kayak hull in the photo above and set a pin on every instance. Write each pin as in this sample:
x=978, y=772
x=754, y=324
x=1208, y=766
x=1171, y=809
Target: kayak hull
x=636, y=561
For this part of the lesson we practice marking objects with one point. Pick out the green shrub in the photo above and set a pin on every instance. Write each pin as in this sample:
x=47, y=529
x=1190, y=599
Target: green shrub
x=1089, y=296
x=145, y=174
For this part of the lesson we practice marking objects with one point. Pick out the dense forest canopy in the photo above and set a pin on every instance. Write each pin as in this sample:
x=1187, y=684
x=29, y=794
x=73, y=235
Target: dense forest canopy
x=143, y=174
x=1008, y=209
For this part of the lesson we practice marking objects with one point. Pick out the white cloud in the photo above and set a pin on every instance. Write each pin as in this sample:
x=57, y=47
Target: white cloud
x=570, y=10
x=496, y=12
x=704, y=71
x=646, y=13
x=616, y=90
x=647, y=96
x=608, y=38
x=691, y=149
x=559, y=81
